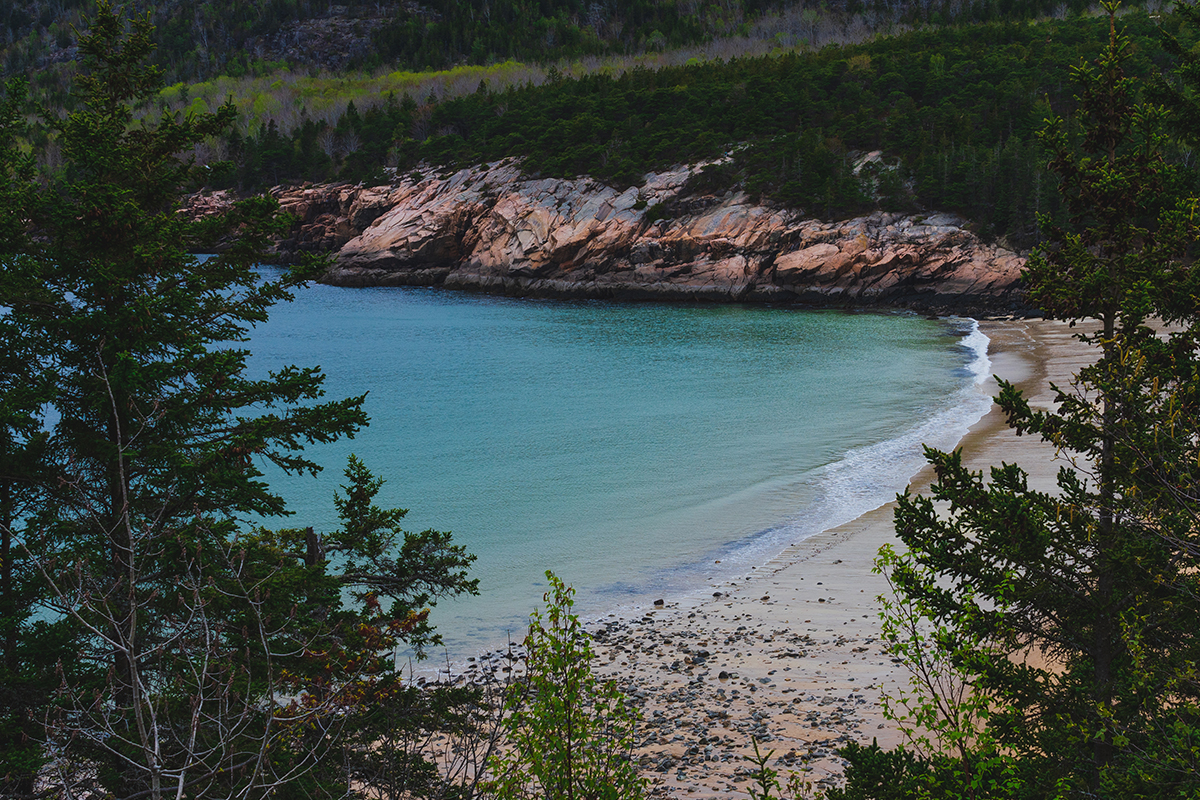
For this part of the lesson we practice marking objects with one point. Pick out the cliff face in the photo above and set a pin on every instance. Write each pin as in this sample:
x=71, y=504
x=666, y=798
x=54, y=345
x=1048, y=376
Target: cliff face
x=491, y=230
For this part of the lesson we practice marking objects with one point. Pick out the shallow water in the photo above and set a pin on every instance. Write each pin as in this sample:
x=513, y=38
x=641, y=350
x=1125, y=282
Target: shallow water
x=626, y=447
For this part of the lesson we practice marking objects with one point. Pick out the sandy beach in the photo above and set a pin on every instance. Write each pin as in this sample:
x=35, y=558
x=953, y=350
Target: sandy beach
x=790, y=653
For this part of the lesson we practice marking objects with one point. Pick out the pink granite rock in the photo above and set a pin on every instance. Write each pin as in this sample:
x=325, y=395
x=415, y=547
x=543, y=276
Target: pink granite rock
x=491, y=229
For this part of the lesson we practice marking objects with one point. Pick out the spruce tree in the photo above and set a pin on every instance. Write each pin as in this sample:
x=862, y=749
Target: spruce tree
x=195, y=656
x=29, y=647
x=1096, y=580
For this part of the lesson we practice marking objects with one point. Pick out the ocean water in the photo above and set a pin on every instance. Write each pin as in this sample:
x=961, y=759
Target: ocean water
x=627, y=447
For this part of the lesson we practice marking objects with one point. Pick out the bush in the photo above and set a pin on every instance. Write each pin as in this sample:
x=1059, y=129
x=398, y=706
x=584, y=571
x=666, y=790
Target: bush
x=571, y=735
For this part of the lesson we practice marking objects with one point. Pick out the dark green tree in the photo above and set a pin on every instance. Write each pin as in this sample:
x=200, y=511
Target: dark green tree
x=1098, y=579
x=28, y=648
x=357, y=595
x=152, y=456
x=400, y=740
x=1179, y=91
x=196, y=658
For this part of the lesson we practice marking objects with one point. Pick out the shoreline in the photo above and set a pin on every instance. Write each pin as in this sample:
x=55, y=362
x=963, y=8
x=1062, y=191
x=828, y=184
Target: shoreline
x=930, y=303
x=857, y=481
x=789, y=653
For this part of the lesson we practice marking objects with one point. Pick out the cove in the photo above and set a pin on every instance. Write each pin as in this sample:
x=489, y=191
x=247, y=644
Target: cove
x=627, y=447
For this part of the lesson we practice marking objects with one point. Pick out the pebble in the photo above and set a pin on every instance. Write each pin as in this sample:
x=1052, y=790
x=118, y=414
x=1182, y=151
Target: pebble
x=708, y=685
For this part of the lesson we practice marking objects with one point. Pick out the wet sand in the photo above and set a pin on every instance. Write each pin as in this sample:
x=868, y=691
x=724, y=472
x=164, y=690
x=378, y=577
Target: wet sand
x=790, y=653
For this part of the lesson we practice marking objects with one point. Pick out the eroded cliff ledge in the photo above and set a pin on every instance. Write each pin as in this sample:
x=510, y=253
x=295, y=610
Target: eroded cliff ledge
x=490, y=229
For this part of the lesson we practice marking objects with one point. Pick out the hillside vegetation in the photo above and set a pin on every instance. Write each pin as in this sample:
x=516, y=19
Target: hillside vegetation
x=928, y=118
x=950, y=112
x=201, y=39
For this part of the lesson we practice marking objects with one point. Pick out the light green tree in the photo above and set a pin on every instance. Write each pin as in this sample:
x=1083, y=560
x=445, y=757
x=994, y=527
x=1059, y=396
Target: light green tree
x=570, y=735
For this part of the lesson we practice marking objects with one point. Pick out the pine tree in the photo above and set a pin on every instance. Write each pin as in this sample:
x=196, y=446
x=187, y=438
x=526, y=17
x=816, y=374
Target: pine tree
x=28, y=648
x=196, y=657
x=153, y=455
x=1098, y=579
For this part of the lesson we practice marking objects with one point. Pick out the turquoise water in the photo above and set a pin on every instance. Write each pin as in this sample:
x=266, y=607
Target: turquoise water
x=626, y=447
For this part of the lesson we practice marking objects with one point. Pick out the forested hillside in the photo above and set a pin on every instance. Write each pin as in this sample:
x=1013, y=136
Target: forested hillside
x=444, y=32
x=951, y=112
x=200, y=39
x=939, y=117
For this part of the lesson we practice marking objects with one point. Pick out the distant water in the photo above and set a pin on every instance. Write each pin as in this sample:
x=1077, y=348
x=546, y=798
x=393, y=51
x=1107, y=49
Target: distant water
x=626, y=447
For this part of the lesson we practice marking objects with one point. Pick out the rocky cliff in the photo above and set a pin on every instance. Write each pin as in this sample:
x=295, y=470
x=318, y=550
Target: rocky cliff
x=490, y=229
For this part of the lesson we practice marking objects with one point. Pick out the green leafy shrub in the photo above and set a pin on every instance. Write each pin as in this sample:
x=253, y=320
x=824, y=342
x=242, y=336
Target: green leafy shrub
x=570, y=734
x=656, y=212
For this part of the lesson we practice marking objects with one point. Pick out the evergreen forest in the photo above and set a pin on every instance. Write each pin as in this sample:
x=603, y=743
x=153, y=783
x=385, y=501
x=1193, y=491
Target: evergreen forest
x=953, y=110
x=202, y=39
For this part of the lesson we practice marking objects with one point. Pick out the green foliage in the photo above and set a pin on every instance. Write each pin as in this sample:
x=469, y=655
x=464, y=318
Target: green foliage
x=151, y=456
x=358, y=594
x=877, y=774
x=964, y=136
x=951, y=751
x=804, y=170
x=899, y=774
x=201, y=39
x=765, y=778
x=375, y=558
x=570, y=735
x=405, y=741
x=1180, y=91
x=26, y=660
x=442, y=32
x=656, y=212
x=940, y=703
x=960, y=123
x=194, y=658
x=790, y=127
x=1068, y=612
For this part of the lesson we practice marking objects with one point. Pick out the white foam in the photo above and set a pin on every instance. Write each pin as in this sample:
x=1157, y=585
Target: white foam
x=867, y=477
x=977, y=342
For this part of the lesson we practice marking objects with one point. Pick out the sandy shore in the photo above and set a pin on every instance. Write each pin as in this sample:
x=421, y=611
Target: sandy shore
x=790, y=653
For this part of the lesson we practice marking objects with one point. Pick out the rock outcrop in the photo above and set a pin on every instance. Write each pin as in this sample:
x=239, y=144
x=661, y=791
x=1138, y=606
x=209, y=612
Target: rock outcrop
x=490, y=229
